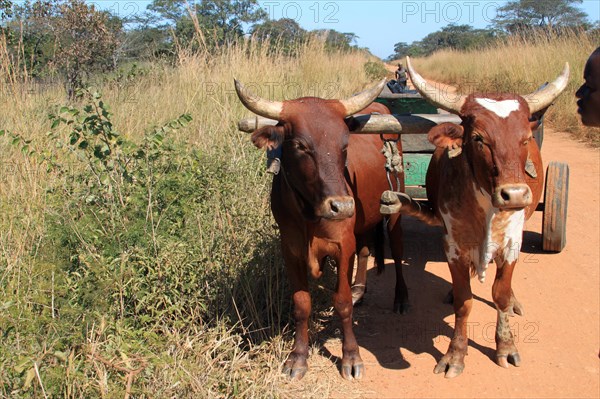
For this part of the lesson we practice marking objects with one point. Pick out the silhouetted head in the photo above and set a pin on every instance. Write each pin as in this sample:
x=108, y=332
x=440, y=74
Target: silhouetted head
x=589, y=92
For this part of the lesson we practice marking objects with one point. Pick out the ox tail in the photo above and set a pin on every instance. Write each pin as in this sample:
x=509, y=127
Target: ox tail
x=396, y=202
x=379, y=246
x=422, y=212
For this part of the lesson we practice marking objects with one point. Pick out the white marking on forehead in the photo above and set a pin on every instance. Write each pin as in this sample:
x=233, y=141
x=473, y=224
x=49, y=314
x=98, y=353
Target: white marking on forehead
x=500, y=108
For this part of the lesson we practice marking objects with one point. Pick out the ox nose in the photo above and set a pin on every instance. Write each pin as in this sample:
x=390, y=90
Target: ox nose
x=338, y=208
x=512, y=196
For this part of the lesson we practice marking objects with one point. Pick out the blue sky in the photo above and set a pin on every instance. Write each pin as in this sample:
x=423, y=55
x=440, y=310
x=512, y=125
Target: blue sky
x=378, y=24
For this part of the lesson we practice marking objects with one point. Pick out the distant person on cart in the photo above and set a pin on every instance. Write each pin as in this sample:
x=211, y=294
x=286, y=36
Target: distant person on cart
x=401, y=76
x=398, y=85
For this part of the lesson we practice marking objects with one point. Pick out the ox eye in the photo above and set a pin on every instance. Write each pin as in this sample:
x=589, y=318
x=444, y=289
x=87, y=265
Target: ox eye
x=479, y=140
x=300, y=146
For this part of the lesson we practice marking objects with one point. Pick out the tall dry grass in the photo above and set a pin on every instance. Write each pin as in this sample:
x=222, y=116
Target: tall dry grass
x=520, y=64
x=202, y=85
x=200, y=362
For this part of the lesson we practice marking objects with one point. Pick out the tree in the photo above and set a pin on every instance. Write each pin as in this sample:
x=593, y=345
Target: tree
x=519, y=15
x=457, y=37
x=5, y=9
x=402, y=49
x=335, y=40
x=147, y=42
x=282, y=34
x=31, y=44
x=220, y=20
x=84, y=42
x=170, y=11
x=225, y=17
x=71, y=36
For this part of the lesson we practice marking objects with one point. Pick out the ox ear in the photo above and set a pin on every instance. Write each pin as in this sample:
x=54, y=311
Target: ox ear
x=534, y=124
x=447, y=135
x=270, y=137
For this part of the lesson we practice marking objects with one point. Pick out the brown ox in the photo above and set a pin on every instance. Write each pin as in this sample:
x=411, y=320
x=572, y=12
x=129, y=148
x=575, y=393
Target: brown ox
x=481, y=186
x=323, y=207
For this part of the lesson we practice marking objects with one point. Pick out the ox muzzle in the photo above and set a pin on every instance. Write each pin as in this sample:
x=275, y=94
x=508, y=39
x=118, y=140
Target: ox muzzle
x=512, y=196
x=336, y=208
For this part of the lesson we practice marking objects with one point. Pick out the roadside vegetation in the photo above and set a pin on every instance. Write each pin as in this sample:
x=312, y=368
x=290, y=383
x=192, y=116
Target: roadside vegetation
x=138, y=256
x=520, y=64
x=514, y=18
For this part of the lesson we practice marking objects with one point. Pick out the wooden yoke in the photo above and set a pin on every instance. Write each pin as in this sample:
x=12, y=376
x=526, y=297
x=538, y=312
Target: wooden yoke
x=372, y=124
x=415, y=125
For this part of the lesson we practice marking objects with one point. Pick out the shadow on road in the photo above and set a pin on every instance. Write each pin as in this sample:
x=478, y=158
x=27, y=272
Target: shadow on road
x=532, y=243
x=386, y=334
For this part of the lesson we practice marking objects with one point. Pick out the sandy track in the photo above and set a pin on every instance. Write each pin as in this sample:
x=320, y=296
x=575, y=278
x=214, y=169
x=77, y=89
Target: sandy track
x=558, y=337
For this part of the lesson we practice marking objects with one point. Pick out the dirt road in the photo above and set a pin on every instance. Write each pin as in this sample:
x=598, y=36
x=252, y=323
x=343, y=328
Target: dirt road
x=558, y=337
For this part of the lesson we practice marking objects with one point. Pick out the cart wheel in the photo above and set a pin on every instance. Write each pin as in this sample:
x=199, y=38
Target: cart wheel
x=554, y=222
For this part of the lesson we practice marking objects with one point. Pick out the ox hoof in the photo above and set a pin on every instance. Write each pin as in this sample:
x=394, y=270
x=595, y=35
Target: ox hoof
x=512, y=358
x=352, y=366
x=452, y=366
x=353, y=371
x=401, y=308
x=358, y=293
x=295, y=366
x=451, y=371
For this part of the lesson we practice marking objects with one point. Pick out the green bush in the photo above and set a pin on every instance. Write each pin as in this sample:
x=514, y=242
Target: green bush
x=375, y=70
x=142, y=240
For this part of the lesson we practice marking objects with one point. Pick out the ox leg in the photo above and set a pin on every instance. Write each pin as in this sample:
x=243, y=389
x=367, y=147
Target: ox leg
x=296, y=365
x=515, y=305
x=359, y=288
x=506, y=351
x=401, y=302
x=453, y=362
x=352, y=364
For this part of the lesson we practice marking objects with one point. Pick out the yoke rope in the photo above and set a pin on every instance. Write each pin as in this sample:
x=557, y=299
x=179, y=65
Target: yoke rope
x=393, y=161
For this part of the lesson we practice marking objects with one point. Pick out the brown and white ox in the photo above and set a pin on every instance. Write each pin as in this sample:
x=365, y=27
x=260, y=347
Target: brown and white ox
x=484, y=180
x=325, y=200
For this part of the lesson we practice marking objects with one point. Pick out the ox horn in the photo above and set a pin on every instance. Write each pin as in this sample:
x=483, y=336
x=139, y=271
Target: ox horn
x=260, y=106
x=363, y=99
x=450, y=102
x=542, y=98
